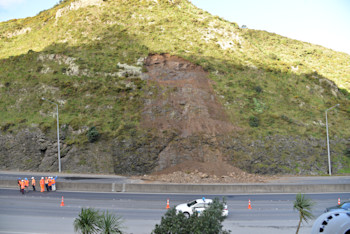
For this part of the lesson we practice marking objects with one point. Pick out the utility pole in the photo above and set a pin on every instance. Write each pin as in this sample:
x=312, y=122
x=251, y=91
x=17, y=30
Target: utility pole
x=329, y=154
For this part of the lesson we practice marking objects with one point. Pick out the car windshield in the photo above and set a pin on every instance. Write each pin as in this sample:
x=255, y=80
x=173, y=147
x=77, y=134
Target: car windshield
x=346, y=206
x=191, y=203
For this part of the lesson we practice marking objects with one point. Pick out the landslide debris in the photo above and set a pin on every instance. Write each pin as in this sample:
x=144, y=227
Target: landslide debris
x=204, y=173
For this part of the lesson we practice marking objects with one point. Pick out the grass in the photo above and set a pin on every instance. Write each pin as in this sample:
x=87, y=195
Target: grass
x=253, y=76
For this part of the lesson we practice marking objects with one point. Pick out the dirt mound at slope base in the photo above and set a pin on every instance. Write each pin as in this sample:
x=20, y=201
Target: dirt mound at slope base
x=204, y=172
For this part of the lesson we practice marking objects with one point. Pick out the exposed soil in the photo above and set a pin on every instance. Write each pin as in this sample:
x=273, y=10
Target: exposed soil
x=199, y=172
x=186, y=103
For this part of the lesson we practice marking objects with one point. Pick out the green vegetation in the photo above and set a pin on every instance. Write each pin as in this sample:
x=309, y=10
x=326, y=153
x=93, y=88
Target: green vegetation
x=87, y=221
x=92, y=221
x=92, y=134
x=304, y=207
x=210, y=221
x=269, y=84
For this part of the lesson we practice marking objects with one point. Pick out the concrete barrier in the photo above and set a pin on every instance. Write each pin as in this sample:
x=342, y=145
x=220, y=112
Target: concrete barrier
x=8, y=184
x=236, y=188
x=193, y=188
x=96, y=187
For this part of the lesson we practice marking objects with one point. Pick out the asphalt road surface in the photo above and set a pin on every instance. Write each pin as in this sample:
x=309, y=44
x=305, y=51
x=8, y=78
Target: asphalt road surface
x=37, y=212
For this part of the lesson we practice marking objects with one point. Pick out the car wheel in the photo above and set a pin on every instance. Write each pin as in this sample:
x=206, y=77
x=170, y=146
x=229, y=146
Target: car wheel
x=187, y=215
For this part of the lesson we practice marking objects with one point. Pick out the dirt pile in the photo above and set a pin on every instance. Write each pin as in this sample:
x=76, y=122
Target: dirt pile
x=201, y=172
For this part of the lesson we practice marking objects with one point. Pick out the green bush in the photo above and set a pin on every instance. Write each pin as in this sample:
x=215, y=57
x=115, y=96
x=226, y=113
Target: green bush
x=93, y=221
x=254, y=121
x=346, y=93
x=258, y=89
x=347, y=152
x=93, y=134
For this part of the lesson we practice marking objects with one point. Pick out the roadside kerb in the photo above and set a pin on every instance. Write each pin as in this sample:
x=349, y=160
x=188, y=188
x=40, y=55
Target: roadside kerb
x=193, y=188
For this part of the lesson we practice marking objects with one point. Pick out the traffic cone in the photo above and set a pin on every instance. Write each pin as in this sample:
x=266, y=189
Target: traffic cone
x=62, y=202
x=249, y=205
x=338, y=201
x=167, y=204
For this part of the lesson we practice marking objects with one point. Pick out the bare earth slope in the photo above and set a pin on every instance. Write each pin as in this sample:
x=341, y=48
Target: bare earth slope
x=192, y=109
x=185, y=103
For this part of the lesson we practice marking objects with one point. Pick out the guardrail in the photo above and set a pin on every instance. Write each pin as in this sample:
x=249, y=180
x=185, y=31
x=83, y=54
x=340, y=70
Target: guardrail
x=193, y=188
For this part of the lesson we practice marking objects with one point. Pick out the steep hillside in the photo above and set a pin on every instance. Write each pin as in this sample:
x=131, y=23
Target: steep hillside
x=146, y=85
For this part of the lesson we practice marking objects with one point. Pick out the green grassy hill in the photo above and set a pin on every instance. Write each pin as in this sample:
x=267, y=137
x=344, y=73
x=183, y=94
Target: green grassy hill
x=88, y=57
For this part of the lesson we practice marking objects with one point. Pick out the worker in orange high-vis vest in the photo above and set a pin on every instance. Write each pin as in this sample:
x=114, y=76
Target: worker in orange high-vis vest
x=47, y=184
x=50, y=183
x=23, y=186
x=42, y=184
x=26, y=183
x=19, y=181
x=54, y=183
x=33, y=183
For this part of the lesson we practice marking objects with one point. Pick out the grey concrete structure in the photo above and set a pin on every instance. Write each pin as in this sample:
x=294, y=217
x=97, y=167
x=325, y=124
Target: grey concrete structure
x=110, y=183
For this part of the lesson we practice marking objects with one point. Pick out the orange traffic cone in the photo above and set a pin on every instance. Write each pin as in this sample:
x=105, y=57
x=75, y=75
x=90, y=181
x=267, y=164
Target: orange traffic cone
x=338, y=201
x=249, y=205
x=62, y=202
x=167, y=204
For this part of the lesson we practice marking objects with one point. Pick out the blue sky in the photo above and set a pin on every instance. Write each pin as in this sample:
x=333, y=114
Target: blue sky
x=322, y=22
x=14, y=9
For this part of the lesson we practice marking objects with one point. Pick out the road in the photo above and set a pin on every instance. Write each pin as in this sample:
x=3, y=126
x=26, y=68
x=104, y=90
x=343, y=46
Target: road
x=40, y=213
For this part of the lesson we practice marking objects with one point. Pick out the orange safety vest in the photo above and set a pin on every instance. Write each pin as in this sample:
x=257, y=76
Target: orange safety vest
x=46, y=180
x=53, y=181
x=26, y=183
x=33, y=182
x=50, y=182
x=42, y=182
x=22, y=185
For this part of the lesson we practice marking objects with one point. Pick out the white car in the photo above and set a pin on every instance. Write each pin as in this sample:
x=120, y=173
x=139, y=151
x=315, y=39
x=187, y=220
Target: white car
x=198, y=206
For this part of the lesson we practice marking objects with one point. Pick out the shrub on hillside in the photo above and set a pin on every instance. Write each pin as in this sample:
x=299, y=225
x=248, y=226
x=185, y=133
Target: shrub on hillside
x=93, y=134
x=347, y=152
x=258, y=89
x=345, y=93
x=254, y=121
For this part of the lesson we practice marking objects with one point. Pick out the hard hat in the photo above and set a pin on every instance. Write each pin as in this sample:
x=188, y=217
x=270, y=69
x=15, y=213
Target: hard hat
x=22, y=180
x=42, y=177
x=32, y=177
x=26, y=178
x=333, y=222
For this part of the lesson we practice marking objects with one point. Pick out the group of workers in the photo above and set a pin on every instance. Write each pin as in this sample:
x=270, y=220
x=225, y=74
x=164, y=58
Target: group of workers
x=48, y=182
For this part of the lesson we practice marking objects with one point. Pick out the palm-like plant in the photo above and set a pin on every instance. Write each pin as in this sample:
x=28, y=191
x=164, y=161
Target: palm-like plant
x=110, y=224
x=304, y=206
x=87, y=221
